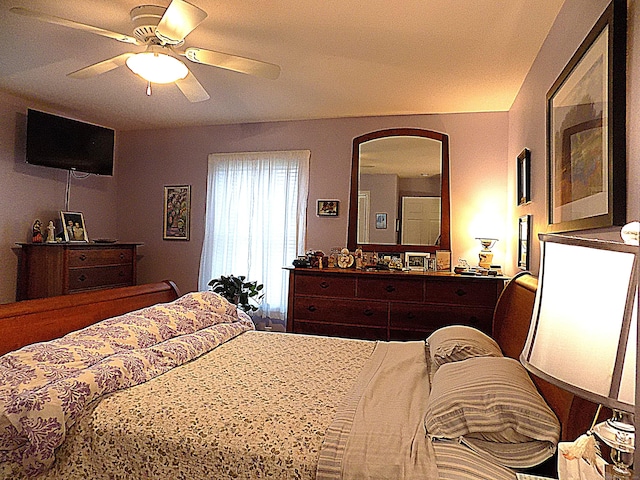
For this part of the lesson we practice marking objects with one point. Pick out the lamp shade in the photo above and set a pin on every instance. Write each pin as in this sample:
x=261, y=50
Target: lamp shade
x=583, y=330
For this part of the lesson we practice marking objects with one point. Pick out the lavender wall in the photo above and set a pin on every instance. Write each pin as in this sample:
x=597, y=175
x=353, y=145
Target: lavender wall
x=152, y=159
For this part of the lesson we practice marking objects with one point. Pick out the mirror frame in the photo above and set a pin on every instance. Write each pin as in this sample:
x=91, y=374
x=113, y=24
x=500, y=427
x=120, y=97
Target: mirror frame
x=445, y=239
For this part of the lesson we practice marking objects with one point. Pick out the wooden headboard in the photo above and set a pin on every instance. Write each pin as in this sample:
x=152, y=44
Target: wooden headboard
x=510, y=328
x=31, y=321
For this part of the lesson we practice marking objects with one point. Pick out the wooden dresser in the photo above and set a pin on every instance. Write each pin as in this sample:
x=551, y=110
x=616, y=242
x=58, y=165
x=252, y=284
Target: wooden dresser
x=387, y=305
x=48, y=269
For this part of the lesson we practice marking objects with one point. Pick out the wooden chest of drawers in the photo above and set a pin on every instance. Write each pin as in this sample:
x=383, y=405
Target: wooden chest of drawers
x=46, y=270
x=387, y=305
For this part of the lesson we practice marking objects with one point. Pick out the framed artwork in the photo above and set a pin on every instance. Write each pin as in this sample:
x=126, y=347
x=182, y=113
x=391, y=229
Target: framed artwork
x=523, y=169
x=381, y=221
x=327, y=208
x=73, y=227
x=524, y=239
x=418, y=261
x=443, y=260
x=586, y=152
x=177, y=212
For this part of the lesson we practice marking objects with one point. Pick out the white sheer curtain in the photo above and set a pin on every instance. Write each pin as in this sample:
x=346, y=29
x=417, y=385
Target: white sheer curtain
x=256, y=220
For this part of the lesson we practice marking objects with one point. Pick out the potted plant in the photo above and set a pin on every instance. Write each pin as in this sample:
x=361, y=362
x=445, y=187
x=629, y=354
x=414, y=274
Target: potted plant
x=238, y=292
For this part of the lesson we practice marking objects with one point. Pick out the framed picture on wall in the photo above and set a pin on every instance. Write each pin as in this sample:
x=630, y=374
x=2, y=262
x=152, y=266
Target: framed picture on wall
x=523, y=169
x=73, y=227
x=381, y=221
x=586, y=151
x=524, y=239
x=327, y=208
x=177, y=212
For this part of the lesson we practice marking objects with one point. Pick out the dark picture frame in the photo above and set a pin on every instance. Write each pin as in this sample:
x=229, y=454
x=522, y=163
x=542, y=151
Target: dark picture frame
x=73, y=227
x=524, y=241
x=177, y=212
x=328, y=208
x=586, y=111
x=523, y=168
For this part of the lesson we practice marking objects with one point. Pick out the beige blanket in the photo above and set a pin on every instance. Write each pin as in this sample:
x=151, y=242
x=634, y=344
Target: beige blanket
x=379, y=432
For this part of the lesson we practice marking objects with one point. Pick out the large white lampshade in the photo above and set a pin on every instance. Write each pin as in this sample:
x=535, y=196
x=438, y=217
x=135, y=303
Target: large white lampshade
x=583, y=331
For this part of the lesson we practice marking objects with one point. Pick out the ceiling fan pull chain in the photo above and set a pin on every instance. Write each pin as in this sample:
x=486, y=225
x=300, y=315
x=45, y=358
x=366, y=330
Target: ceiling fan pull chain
x=148, y=89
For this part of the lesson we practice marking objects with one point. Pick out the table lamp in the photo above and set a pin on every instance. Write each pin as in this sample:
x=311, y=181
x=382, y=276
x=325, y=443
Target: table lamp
x=584, y=328
x=485, y=256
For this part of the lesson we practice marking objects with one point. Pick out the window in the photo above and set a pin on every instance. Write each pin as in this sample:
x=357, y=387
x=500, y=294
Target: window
x=256, y=220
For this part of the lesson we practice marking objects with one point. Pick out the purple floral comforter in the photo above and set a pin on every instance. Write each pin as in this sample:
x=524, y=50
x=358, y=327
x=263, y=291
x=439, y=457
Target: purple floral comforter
x=46, y=387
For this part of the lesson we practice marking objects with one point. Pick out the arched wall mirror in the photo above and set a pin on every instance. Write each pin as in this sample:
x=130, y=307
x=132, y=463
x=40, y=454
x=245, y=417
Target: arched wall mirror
x=400, y=191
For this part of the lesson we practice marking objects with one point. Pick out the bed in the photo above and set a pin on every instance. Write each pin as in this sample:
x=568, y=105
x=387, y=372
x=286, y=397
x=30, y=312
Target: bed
x=184, y=387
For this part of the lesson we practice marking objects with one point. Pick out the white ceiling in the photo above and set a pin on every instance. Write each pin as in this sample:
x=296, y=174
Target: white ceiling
x=339, y=58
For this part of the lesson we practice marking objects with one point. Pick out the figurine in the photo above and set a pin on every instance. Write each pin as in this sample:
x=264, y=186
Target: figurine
x=37, y=232
x=51, y=233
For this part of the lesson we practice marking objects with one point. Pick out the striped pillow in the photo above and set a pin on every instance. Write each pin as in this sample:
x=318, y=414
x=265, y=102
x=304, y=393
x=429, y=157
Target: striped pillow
x=491, y=405
x=459, y=342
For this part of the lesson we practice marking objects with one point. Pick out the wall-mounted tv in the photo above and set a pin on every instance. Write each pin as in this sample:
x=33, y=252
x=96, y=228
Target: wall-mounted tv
x=59, y=142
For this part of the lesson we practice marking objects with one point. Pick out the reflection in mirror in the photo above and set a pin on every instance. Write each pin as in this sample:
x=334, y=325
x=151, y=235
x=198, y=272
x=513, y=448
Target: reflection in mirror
x=400, y=191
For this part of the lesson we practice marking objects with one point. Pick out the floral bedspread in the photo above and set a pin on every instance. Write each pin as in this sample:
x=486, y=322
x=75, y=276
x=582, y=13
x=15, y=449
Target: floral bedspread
x=46, y=387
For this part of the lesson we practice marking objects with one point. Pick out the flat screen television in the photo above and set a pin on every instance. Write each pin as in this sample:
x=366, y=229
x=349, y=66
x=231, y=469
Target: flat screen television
x=59, y=142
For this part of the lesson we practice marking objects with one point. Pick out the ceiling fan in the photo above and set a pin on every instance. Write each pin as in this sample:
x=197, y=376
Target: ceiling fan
x=162, y=31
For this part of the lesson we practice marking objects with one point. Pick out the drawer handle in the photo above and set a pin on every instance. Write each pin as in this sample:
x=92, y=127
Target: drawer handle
x=312, y=308
x=82, y=278
x=324, y=285
x=411, y=315
x=121, y=273
x=82, y=257
x=460, y=292
x=368, y=312
x=390, y=288
x=473, y=320
x=122, y=256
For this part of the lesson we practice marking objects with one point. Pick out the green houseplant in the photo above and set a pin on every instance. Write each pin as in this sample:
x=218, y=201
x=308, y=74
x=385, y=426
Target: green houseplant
x=238, y=292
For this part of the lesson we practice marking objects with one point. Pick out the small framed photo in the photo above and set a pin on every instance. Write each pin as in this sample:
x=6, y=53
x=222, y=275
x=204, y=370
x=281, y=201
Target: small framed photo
x=73, y=227
x=381, y=221
x=177, y=212
x=328, y=208
x=443, y=260
x=418, y=261
x=524, y=238
x=524, y=177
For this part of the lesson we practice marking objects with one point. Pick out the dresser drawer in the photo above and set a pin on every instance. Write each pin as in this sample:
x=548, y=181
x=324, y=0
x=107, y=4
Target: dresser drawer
x=428, y=318
x=464, y=292
x=325, y=285
x=382, y=288
x=343, y=331
x=346, y=312
x=89, y=258
x=95, y=277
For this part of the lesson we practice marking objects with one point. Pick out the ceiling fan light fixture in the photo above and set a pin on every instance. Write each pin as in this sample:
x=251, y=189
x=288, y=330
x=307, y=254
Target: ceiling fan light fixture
x=156, y=67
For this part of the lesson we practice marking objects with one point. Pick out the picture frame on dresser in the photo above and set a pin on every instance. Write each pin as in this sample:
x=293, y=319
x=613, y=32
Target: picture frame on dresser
x=73, y=227
x=586, y=131
x=416, y=261
x=177, y=212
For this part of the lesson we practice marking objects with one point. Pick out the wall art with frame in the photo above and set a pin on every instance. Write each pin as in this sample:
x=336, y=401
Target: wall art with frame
x=524, y=240
x=73, y=227
x=586, y=151
x=523, y=169
x=327, y=208
x=177, y=212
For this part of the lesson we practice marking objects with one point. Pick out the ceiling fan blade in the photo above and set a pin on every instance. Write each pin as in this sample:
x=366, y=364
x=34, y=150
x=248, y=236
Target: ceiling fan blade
x=233, y=62
x=192, y=89
x=100, y=67
x=179, y=21
x=71, y=24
